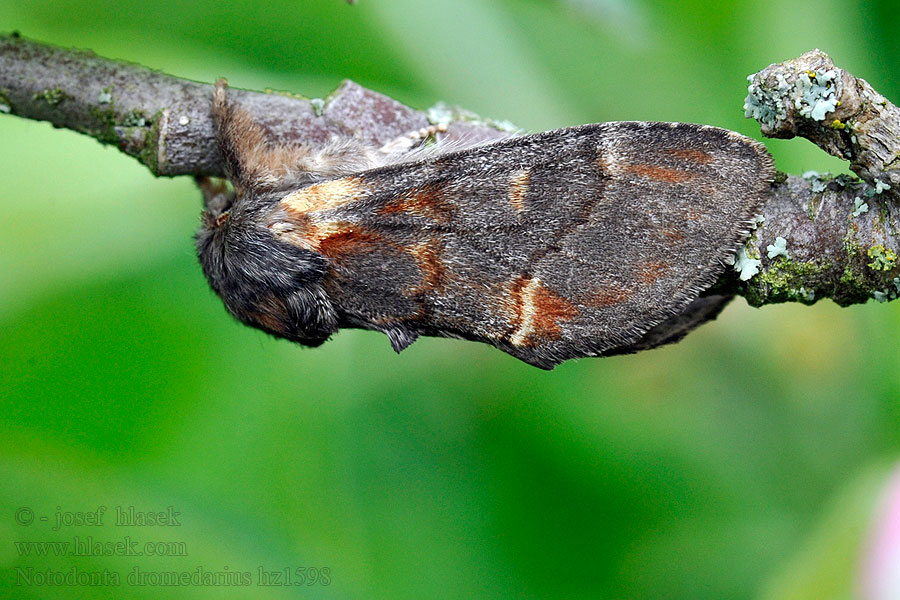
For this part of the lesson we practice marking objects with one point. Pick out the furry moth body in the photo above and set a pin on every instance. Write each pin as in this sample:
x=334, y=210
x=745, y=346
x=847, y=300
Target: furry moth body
x=558, y=245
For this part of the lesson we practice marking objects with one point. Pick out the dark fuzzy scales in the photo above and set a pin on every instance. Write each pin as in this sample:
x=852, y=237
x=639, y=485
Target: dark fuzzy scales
x=569, y=243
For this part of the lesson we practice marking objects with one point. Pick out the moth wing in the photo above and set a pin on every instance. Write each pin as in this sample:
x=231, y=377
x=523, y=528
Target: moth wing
x=678, y=201
x=552, y=246
x=673, y=329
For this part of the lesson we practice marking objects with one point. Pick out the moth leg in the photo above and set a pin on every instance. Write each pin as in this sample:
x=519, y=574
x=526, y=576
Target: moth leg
x=212, y=188
x=217, y=199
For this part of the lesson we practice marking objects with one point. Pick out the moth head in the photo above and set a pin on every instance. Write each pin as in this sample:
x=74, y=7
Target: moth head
x=264, y=282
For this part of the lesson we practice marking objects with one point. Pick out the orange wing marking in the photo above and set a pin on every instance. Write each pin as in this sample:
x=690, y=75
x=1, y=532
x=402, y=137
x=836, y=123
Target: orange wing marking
x=539, y=312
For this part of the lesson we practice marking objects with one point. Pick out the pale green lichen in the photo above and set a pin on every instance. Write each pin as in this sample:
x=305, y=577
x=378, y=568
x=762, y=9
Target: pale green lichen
x=317, y=105
x=817, y=94
x=892, y=293
x=845, y=179
x=105, y=95
x=814, y=97
x=779, y=248
x=746, y=265
x=818, y=185
x=859, y=207
x=135, y=118
x=443, y=114
x=439, y=114
x=766, y=105
x=883, y=259
x=879, y=187
x=51, y=96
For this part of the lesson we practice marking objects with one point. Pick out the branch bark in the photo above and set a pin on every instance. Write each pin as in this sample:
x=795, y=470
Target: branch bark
x=841, y=239
x=841, y=234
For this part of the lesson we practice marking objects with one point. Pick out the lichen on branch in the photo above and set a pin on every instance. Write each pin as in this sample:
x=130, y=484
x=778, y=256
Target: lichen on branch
x=832, y=226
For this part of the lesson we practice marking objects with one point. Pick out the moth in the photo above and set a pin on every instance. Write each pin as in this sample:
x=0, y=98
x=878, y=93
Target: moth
x=584, y=241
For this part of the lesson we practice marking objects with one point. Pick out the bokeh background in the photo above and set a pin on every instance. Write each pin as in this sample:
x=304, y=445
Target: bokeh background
x=744, y=462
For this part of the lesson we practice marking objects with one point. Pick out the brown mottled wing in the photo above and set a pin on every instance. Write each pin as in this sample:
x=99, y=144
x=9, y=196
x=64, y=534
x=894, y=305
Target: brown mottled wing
x=563, y=244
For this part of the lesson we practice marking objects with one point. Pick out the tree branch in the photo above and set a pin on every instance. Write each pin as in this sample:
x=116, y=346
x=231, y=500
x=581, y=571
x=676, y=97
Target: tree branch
x=841, y=236
x=165, y=122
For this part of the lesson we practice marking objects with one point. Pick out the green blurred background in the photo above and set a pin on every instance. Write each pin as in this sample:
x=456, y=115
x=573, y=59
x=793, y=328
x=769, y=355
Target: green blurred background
x=740, y=463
